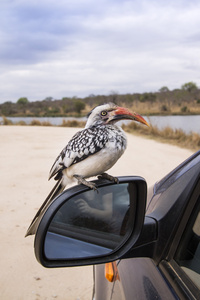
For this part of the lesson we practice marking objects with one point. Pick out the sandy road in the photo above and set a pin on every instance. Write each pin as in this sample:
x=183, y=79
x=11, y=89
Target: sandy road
x=26, y=155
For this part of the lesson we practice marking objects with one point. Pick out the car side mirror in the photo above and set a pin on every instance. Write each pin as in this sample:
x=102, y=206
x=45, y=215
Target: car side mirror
x=83, y=226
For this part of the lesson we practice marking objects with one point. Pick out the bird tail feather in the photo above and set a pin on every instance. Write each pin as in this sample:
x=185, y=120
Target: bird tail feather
x=57, y=189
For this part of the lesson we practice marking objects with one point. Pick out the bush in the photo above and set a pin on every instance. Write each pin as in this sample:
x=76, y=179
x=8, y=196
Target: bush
x=46, y=123
x=164, y=108
x=147, y=97
x=21, y=123
x=184, y=109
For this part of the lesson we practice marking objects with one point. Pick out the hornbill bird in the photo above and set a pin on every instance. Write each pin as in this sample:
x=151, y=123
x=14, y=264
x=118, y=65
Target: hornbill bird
x=90, y=152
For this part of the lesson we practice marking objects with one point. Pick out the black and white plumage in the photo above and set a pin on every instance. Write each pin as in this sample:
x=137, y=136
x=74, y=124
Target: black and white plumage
x=91, y=151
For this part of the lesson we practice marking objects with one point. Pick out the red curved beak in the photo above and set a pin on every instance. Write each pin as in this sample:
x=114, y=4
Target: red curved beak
x=122, y=113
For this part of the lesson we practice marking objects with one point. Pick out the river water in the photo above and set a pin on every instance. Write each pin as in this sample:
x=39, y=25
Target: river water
x=186, y=123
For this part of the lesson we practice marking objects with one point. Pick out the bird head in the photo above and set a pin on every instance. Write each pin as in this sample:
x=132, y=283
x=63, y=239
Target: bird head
x=110, y=114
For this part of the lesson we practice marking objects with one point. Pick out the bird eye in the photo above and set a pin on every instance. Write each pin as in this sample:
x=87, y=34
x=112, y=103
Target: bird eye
x=104, y=113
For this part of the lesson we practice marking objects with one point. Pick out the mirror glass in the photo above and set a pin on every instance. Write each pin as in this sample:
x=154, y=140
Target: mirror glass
x=92, y=224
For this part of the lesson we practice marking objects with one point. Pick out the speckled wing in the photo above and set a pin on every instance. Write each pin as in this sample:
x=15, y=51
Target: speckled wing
x=83, y=144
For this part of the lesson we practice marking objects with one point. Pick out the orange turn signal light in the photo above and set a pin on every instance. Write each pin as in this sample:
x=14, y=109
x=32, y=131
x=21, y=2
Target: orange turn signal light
x=111, y=271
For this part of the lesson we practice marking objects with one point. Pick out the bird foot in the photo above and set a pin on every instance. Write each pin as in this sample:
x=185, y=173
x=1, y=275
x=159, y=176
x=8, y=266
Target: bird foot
x=89, y=184
x=109, y=177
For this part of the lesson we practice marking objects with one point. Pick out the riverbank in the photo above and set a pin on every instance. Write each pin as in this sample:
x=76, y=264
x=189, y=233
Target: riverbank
x=167, y=135
x=26, y=156
x=189, y=139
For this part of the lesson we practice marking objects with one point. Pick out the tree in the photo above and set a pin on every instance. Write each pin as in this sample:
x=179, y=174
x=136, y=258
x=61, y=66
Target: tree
x=79, y=106
x=22, y=101
x=113, y=97
x=7, y=108
x=48, y=98
x=189, y=86
x=164, y=89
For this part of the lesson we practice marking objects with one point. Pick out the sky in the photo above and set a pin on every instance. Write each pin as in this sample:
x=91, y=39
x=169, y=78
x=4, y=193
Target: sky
x=69, y=48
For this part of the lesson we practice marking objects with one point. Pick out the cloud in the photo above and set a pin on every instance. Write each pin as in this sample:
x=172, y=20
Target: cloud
x=82, y=47
x=31, y=31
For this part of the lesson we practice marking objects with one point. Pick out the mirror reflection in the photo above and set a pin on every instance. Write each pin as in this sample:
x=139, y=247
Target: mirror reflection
x=91, y=224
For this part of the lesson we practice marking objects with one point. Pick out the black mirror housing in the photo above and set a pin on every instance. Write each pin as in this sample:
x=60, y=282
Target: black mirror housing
x=83, y=227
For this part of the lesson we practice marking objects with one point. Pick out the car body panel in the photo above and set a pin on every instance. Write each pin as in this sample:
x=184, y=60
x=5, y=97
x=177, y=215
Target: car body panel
x=139, y=279
x=170, y=206
x=145, y=278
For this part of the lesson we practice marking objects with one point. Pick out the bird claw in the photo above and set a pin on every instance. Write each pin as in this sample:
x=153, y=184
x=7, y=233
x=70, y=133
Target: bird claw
x=109, y=177
x=92, y=186
x=89, y=184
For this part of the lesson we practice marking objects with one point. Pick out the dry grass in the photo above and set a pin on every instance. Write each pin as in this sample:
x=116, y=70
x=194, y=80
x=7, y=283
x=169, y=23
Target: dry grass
x=38, y=123
x=72, y=123
x=46, y=123
x=21, y=123
x=167, y=135
x=6, y=121
x=35, y=122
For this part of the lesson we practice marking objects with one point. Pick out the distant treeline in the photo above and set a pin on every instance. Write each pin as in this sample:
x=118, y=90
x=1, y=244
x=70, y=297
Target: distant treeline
x=185, y=100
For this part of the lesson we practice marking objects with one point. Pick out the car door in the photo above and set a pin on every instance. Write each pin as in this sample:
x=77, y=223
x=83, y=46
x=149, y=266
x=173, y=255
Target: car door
x=138, y=278
x=182, y=266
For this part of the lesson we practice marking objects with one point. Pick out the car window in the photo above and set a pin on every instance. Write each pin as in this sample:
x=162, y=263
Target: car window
x=188, y=253
x=167, y=181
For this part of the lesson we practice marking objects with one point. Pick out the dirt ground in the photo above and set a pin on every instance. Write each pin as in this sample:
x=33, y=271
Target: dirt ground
x=26, y=156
